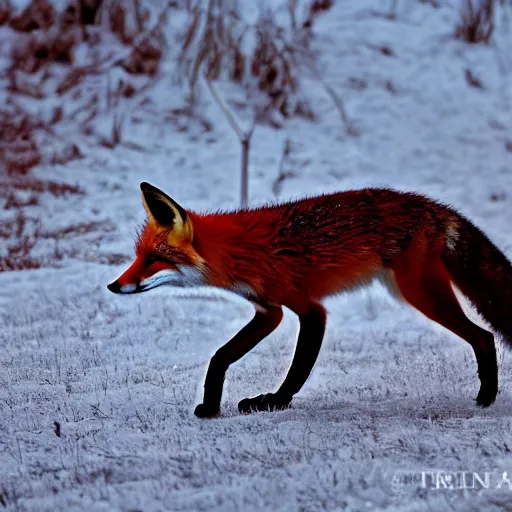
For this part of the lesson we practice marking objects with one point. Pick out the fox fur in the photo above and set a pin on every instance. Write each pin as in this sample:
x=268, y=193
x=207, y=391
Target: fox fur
x=295, y=254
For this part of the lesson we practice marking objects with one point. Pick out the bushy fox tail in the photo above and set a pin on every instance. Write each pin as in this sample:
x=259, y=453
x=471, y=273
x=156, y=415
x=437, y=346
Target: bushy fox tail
x=482, y=273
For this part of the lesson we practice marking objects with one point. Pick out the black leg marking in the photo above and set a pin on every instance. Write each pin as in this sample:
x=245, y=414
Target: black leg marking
x=263, y=323
x=312, y=328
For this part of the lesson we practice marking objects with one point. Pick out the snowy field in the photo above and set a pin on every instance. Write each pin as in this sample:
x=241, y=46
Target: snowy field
x=97, y=391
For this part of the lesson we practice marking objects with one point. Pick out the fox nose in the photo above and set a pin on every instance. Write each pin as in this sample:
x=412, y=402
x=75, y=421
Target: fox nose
x=114, y=287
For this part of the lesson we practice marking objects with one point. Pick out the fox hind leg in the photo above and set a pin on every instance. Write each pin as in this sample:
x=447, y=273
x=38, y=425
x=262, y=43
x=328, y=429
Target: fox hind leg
x=428, y=289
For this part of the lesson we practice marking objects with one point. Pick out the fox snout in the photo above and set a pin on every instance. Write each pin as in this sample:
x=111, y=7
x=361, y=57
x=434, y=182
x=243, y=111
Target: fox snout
x=171, y=277
x=116, y=287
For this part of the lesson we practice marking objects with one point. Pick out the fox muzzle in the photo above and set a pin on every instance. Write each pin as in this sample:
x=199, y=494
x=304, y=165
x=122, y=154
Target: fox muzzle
x=116, y=287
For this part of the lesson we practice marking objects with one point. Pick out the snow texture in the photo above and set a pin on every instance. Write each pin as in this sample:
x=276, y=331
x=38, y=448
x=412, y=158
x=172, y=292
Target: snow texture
x=117, y=378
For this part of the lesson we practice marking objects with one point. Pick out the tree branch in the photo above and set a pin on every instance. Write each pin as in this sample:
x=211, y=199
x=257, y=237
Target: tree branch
x=338, y=102
x=243, y=136
x=230, y=116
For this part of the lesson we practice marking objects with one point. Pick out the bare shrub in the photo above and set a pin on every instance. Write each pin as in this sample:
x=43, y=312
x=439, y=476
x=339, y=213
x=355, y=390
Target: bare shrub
x=41, y=48
x=23, y=236
x=476, y=23
x=144, y=59
x=283, y=174
x=264, y=57
x=75, y=76
x=47, y=36
x=147, y=50
x=116, y=131
x=20, y=155
x=39, y=14
x=39, y=187
x=244, y=136
x=67, y=154
x=89, y=11
x=260, y=56
x=56, y=43
x=29, y=55
x=18, y=149
x=125, y=19
x=129, y=20
x=273, y=65
x=13, y=201
x=119, y=23
x=17, y=255
x=5, y=11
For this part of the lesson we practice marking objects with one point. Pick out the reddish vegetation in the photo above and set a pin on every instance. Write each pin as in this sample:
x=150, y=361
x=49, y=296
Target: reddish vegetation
x=476, y=23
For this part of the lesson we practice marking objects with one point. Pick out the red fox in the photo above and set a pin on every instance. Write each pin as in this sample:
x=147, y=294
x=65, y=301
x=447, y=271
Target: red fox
x=296, y=253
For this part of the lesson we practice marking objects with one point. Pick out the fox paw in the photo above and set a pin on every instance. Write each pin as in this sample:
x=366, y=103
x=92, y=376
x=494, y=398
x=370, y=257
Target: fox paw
x=268, y=402
x=204, y=411
x=486, y=395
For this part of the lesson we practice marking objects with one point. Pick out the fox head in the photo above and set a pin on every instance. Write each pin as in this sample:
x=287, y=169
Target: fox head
x=164, y=251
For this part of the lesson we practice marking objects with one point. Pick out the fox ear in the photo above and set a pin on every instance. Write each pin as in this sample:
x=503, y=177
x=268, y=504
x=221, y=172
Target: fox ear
x=165, y=212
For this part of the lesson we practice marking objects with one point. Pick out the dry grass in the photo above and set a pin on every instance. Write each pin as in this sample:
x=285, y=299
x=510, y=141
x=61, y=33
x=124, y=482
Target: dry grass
x=18, y=149
x=39, y=14
x=47, y=37
x=27, y=244
x=5, y=11
x=23, y=235
x=18, y=253
x=476, y=23
x=215, y=42
x=130, y=23
x=38, y=187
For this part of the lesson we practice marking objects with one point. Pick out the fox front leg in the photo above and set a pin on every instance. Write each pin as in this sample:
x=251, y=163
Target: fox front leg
x=265, y=320
x=311, y=333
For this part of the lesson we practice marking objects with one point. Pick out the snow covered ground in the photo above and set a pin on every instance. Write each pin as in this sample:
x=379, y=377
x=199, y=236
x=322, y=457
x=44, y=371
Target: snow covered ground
x=97, y=391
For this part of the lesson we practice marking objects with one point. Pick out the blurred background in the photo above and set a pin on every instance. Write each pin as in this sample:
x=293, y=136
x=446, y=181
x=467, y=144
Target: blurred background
x=291, y=97
x=221, y=104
